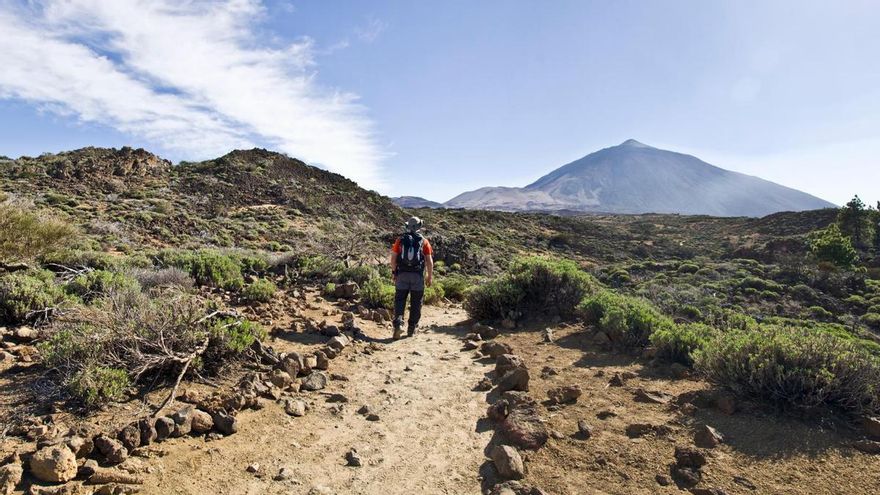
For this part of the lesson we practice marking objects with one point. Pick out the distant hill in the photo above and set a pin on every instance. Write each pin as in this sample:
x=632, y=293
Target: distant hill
x=415, y=202
x=635, y=178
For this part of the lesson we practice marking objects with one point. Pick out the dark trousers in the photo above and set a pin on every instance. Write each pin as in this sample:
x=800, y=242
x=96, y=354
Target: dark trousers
x=410, y=285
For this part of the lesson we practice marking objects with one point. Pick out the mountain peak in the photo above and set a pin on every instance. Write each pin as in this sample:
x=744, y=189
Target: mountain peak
x=632, y=143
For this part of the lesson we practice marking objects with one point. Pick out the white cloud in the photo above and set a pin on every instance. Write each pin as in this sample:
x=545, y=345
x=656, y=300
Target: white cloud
x=371, y=29
x=194, y=77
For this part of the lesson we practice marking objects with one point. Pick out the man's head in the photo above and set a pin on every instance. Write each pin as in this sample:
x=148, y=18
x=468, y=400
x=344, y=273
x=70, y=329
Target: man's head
x=414, y=224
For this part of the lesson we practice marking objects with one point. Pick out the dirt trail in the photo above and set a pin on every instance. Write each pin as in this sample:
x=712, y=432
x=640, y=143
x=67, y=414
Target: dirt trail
x=424, y=442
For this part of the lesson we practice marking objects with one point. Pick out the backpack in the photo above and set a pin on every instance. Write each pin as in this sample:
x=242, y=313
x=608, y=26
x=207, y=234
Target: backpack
x=411, y=258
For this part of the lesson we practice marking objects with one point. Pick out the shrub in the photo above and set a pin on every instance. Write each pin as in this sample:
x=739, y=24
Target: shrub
x=28, y=296
x=26, y=235
x=832, y=246
x=794, y=367
x=688, y=268
x=759, y=284
x=132, y=338
x=820, y=313
x=377, y=293
x=434, y=294
x=531, y=286
x=678, y=342
x=872, y=320
x=261, y=290
x=318, y=266
x=628, y=321
x=329, y=289
x=455, y=287
x=803, y=293
x=690, y=312
x=96, y=384
x=164, y=277
x=207, y=267
x=98, y=283
x=357, y=274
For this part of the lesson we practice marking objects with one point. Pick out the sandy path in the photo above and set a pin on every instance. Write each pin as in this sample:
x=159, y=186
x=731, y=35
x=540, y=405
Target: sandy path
x=425, y=441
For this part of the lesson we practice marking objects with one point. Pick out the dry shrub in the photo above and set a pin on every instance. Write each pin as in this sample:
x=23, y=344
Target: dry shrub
x=25, y=234
x=133, y=338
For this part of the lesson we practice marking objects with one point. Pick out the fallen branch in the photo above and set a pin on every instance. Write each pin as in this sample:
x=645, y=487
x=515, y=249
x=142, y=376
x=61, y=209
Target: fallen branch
x=196, y=353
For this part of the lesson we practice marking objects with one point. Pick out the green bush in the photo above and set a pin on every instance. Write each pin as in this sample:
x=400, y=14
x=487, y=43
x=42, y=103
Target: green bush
x=329, y=289
x=96, y=384
x=628, y=321
x=99, y=283
x=207, y=267
x=236, y=335
x=261, y=290
x=318, y=266
x=832, y=246
x=820, y=313
x=794, y=367
x=26, y=235
x=872, y=320
x=434, y=294
x=531, y=286
x=455, y=287
x=356, y=274
x=678, y=342
x=27, y=296
x=690, y=312
x=759, y=284
x=688, y=268
x=377, y=293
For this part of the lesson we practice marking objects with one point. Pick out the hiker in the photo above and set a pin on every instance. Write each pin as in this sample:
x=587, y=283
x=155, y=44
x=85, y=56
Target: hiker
x=412, y=268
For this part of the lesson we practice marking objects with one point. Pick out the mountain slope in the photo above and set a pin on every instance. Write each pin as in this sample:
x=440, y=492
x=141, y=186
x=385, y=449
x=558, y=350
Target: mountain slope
x=636, y=178
x=415, y=202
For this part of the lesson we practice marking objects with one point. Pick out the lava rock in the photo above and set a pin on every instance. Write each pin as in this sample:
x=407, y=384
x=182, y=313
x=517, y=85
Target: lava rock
x=562, y=395
x=111, y=449
x=202, y=422
x=707, y=437
x=314, y=381
x=508, y=462
x=55, y=464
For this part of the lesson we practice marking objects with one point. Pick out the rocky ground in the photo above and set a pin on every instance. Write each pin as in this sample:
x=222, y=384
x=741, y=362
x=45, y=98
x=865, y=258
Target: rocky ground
x=458, y=410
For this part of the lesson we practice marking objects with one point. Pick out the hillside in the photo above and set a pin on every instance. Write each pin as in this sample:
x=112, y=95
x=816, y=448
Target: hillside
x=636, y=178
x=224, y=327
x=415, y=202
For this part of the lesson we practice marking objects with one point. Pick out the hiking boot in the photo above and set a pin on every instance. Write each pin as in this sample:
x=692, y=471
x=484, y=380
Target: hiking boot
x=410, y=331
x=398, y=333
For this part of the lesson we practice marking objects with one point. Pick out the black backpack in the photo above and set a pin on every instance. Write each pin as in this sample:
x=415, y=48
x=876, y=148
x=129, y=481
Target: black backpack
x=411, y=258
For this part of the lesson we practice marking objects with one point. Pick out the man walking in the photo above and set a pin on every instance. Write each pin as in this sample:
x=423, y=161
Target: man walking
x=412, y=268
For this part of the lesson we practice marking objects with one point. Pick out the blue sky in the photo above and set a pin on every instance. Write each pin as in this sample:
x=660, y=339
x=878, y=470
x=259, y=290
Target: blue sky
x=432, y=99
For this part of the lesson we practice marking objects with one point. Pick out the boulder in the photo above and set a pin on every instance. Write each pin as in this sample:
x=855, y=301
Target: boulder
x=689, y=457
x=130, y=436
x=54, y=464
x=867, y=446
x=224, y=422
x=322, y=362
x=310, y=362
x=346, y=290
x=147, y=428
x=292, y=364
x=686, y=477
x=707, y=437
x=295, y=407
x=522, y=426
x=202, y=422
x=111, y=449
x=80, y=446
x=10, y=476
x=484, y=331
x=315, y=381
x=584, y=429
x=495, y=349
x=564, y=394
x=507, y=362
x=515, y=379
x=339, y=342
x=164, y=427
x=280, y=379
x=508, y=462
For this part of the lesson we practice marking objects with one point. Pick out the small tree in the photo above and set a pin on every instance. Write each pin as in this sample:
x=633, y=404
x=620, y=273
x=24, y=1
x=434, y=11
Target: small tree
x=854, y=220
x=832, y=246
